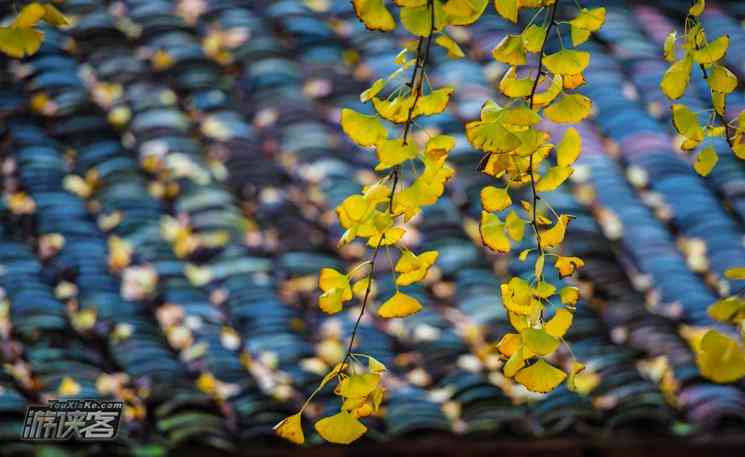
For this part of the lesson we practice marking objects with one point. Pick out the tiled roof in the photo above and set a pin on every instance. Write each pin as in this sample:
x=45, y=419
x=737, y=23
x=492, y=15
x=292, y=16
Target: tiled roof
x=239, y=101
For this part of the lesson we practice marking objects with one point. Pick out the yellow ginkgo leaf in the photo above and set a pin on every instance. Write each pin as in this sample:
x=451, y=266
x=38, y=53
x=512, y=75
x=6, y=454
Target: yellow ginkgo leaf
x=20, y=41
x=491, y=137
x=520, y=116
x=393, y=152
x=540, y=377
x=514, y=363
x=553, y=178
x=53, y=16
x=290, y=429
x=454, y=51
x=706, y=160
x=362, y=129
x=517, y=296
x=433, y=103
x=591, y=20
x=359, y=385
x=418, y=20
x=579, y=35
x=686, y=123
x=555, y=235
x=513, y=87
x=396, y=110
x=569, y=109
x=508, y=9
x=374, y=15
x=735, y=273
x=569, y=295
x=558, y=325
x=568, y=265
x=697, y=8
x=573, y=81
x=721, y=79
x=511, y=50
x=539, y=341
x=495, y=198
x=509, y=344
x=720, y=358
x=728, y=309
x=372, y=91
x=567, y=62
x=374, y=365
x=713, y=51
x=675, y=80
x=341, y=428
x=464, y=12
x=438, y=146
x=332, y=279
x=547, y=96
x=492, y=231
x=414, y=268
x=29, y=15
x=514, y=226
x=569, y=148
x=400, y=305
x=360, y=287
x=533, y=37
x=669, y=46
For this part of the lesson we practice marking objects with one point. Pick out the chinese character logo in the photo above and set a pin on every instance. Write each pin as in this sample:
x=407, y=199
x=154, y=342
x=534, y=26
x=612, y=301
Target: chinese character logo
x=83, y=420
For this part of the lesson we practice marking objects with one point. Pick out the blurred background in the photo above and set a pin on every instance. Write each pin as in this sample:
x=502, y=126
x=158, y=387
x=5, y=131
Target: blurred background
x=169, y=173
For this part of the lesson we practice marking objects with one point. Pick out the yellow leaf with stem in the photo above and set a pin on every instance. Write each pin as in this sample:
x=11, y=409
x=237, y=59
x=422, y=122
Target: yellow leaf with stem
x=720, y=358
x=721, y=79
x=511, y=50
x=433, y=103
x=686, y=124
x=569, y=148
x=513, y=87
x=365, y=130
x=670, y=46
x=514, y=226
x=492, y=231
x=508, y=9
x=400, y=305
x=713, y=51
x=19, y=41
x=706, y=160
x=454, y=51
x=414, y=268
x=533, y=37
x=553, y=178
x=569, y=109
x=517, y=296
x=558, y=325
x=568, y=265
x=372, y=91
x=675, y=80
x=495, y=198
x=697, y=8
x=393, y=152
x=730, y=309
x=539, y=341
x=567, y=62
x=374, y=15
x=555, y=235
x=418, y=19
x=547, y=96
x=291, y=429
x=341, y=428
x=540, y=377
x=29, y=15
x=464, y=12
